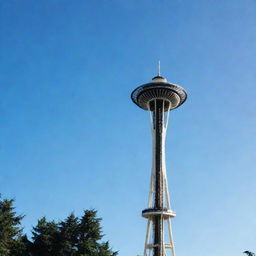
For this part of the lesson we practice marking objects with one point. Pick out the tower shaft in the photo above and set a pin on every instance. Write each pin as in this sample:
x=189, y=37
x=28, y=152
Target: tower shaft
x=158, y=134
x=159, y=209
x=159, y=195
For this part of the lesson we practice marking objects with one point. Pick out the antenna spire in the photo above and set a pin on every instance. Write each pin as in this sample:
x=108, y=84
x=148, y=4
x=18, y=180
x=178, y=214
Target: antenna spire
x=159, y=69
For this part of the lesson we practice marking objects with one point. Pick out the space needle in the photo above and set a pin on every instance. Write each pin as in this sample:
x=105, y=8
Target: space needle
x=159, y=97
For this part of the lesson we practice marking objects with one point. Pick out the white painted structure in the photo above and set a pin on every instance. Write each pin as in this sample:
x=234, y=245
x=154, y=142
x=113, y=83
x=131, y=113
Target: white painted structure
x=159, y=97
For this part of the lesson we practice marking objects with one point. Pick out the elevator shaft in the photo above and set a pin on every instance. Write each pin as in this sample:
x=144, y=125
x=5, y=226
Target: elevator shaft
x=158, y=121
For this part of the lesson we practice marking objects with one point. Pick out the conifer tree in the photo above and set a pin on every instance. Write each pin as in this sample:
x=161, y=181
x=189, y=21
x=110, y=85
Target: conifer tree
x=10, y=229
x=89, y=233
x=68, y=237
x=21, y=247
x=45, y=238
x=71, y=237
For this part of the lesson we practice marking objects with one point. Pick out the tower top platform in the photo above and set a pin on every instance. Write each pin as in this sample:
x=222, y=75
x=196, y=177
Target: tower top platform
x=159, y=88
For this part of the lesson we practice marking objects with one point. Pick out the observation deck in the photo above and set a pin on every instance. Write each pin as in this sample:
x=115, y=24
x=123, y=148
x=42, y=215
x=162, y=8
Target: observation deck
x=166, y=213
x=159, y=88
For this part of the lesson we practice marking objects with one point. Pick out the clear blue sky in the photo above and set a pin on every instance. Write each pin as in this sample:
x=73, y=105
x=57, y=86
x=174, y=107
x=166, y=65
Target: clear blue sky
x=71, y=139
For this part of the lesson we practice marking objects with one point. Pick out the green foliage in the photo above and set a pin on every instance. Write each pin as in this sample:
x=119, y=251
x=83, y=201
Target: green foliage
x=45, y=236
x=10, y=231
x=72, y=237
x=21, y=247
x=68, y=238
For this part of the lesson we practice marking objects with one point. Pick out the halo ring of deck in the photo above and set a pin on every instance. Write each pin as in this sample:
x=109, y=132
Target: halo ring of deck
x=172, y=93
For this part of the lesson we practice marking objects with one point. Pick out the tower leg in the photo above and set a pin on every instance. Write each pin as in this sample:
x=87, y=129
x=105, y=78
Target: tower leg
x=147, y=237
x=171, y=237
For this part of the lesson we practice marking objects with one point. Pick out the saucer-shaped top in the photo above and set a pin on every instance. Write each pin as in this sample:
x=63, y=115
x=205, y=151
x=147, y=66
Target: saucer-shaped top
x=159, y=88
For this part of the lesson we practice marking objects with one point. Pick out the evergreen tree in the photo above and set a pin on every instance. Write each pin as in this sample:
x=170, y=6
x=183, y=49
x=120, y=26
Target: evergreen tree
x=89, y=234
x=68, y=238
x=71, y=237
x=104, y=250
x=10, y=230
x=21, y=247
x=45, y=238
